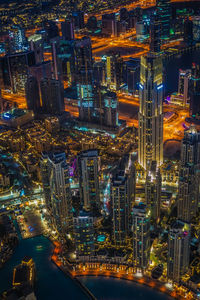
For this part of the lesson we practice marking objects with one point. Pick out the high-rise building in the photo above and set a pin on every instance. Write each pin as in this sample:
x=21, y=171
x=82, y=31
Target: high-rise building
x=155, y=28
x=52, y=93
x=153, y=191
x=67, y=28
x=88, y=169
x=183, y=84
x=141, y=236
x=45, y=170
x=189, y=179
x=55, y=172
x=17, y=40
x=150, y=115
x=32, y=94
x=114, y=70
x=15, y=69
x=78, y=18
x=40, y=71
x=110, y=109
x=188, y=32
x=109, y=25
x=84, y=79
x=36, y=45
x=84, y=234
x=122, y=197
x=196, y=28
x=178, y=250
x=132, y=75
x=164, y=13
x=194, y=92
x=64, y=60
x=51, y=29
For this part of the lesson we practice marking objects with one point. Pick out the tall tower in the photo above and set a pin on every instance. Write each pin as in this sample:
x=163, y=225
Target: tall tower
x=114, y=69
x=122, y=197
x=88, y=168
x=153, y=191
x=52, y=92
x=55, y=171
x=141, y=236
x=150, y=115
x=32, y=94
x=189, y=178
x=84, y=234
x=183, y=84
x=155, y=34
x=84, y=78
x=164, y=13
x=178, y=250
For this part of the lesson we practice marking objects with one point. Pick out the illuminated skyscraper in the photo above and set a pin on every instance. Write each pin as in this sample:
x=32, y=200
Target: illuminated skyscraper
x=32, y=94
x=122, y=197
x=36, y=45
x=164, y=13
x=18, y=41
x=194, y=91
x=150, y=115
x=110, y=109
x=114, y=68
x=52, y=96
x=155, y=33
x=15, y=68
x=55, y=172
x=189, y=178
x=84, y=234
x=178, y=250
x=188, y=32
x=153, y=191
x=88, y=168
x=67, y=30
x=141, y=236
x=183, y=84
x=84, y=79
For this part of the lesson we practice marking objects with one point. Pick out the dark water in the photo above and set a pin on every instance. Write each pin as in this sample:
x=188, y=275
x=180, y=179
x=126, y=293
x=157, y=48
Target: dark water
x=172, y=69
x=117, y=289
x=51, y=283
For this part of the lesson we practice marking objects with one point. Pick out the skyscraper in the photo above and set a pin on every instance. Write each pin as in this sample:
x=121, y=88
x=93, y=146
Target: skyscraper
x=110, y=109
x=189, y=179
x=153, y=191
x=88, y=168
x=155, y=33
x=150, y=115
x=188, y=32
x=122, y=197
x=164, y=13
x=15, y=69
x=183, y=84
x=67, y=28
x=78, y=18
x=32, y=94
x=84, y=234
x=109, y=25
x=17, y=40
x=36, y=45
x=141, y=236
x=52, y=96
x=84, y=78
x=178, y=250
x=114, y=69
x=55, y=171
x=194, y=91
